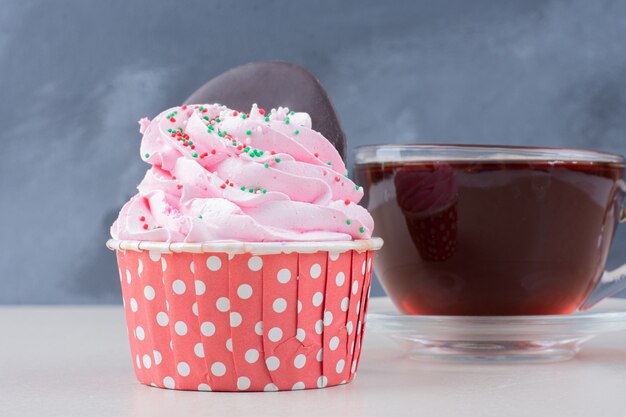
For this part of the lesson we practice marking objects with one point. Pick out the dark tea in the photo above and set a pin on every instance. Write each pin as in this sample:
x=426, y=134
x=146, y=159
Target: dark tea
x=492, y=237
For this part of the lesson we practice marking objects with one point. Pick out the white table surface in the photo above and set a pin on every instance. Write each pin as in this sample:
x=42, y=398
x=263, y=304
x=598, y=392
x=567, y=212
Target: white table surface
x=75, y=361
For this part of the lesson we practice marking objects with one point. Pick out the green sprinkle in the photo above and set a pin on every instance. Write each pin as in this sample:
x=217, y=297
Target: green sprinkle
x=234, y=143
x=346, y=175
x=201, y=108
x=357, y=187
x=200, y=217
x=267, y=165
x=190, y=143
x=292, y=113
x=250, y=190
x=362, y=229
x=297, y=132
x=217, y=120
x=206, y=117
x=147, y=155
x=195, y=155
x=348, y=221
x=267, y=118
x=248, y=132
x=264, y=191
x=243, y=116
x=170, y=130
x=277, y=160
x=246, y=149
x=286, y=120
x=243, y=188
x=329, y=163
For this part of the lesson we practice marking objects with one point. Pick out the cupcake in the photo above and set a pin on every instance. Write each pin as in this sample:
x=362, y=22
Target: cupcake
x=245, y=261
x=428, y=197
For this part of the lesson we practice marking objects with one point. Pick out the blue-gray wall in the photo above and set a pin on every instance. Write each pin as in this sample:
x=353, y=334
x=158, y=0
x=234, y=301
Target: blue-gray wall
x=75, y=76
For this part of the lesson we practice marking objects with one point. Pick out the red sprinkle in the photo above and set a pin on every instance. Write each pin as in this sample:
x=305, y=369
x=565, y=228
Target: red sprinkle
x=272, y=152
x=262, y=111
x=346, y=202
x=235, y=113
x=204, y=155
x=184, y=107
x=186, y=136
x=337, y=179
x=145, y=226
x=185, y=143
x=316, y=155
x=142, y=219
x=231, y=184
x=240, y=147
x=173, y=135
x=223, y=186
x=193, y=146
x=179, y=186
x=213, y=151
x=205, y=110
x=171, y=120
x=173, y=177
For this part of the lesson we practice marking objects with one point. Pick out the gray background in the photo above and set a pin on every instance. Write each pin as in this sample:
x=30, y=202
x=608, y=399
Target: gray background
x=75, y=76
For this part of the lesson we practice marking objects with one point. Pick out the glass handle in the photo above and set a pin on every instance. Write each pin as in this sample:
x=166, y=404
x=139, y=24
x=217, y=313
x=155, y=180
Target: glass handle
x=612, y=282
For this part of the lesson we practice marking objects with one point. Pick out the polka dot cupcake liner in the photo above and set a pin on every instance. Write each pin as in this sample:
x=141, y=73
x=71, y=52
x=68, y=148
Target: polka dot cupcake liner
x=245, y=320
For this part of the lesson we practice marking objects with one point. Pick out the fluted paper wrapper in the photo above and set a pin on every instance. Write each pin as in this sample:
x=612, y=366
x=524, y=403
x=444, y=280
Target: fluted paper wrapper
x=244, y=322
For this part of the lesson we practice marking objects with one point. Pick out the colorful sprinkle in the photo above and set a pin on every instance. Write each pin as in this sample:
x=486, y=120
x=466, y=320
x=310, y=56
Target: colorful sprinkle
x=362, y=229
x=195, y=155
x=262, y=111
x=267, y=165
x=200, y=217
x=243, y=188
x=346, y=202
x=291, y=113
x=145, y=226
x=267, y=118
x=264, y=191
x=348, y=222
x=248, y=132
x=277, y=160
x=142, y=219
x=329, y=163
x=147, y=155
x=297, y=132
x=286, y=120
x=357, y=187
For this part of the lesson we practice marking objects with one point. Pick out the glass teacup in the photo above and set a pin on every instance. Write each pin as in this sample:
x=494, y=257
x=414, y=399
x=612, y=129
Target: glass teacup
x=493, y=230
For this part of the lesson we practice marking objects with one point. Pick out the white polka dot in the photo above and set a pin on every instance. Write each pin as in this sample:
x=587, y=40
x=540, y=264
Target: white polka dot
x=149, y=293
x=218, y=369
x=275, y=334
x=344, y=304
x=369, y=265
x=192, y=267
x=139, y=332
x=318, y=298
x=340, y=365
x=168, y=382
x=139, y=267
x=194, y=309
x=183, y=369
x=200, y=287
x=272, y=363
x=279, y=305
x=147, y=361
x=204, y=387
x=133, y=305
x=223, y=304
x=243, y=383
x=270, y=387
x=180, y=328
x=333, y=256
x=138, y=361
x=157, y=357
x=319, y=327
x=231, y=256
x=358, y=327
x=349, y=327
x=283, y=276
x=358, y=307
x=207, y=328
x=363, y=268
x=322, y=381
x=300, y=335
x=258, y=328
x=355, y=287
x=340, y=279
x=154, y=255
x=352, y=348
x=244, y=291
x=214, y=263
x=299, y=361
x=320, y=355
x=334, y=343
x=229, y=345
x=198, y=349
x=163, y=264
x=252, y=355
x=298, y=386
x=162, y=318
x=235, y=319
x=179, y=287
x=353, y=368
x=328, y=318
x=316, y=271
x=255, y=263
x=129, y=277
x=299, y=306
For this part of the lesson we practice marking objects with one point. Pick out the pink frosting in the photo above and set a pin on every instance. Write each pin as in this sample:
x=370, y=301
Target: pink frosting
x=218, y=174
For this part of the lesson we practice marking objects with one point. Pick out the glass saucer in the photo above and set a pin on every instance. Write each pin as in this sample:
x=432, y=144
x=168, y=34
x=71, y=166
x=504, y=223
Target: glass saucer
x=495, y=338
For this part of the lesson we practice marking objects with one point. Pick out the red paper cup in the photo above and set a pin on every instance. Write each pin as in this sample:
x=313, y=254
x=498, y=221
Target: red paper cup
x=245, y=316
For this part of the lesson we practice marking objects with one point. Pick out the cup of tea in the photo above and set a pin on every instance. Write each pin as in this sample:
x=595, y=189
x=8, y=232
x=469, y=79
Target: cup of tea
x=493, y=230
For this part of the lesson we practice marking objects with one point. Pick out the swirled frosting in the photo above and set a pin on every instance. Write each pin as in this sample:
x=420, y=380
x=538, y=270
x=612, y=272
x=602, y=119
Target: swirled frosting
x=219, y=174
